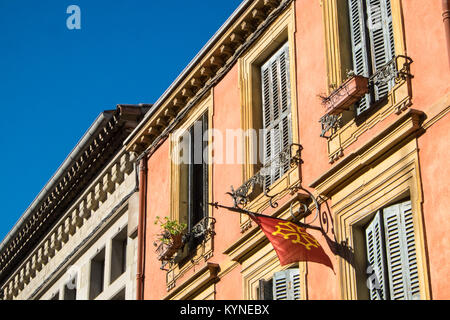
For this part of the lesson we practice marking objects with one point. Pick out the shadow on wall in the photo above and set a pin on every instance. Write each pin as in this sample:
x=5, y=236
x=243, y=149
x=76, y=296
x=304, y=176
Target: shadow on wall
x=341, y=249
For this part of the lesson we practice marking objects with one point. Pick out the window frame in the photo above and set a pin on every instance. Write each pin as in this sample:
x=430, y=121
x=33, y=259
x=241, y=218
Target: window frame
x=339, y=59
x=262, y=265
x=119, y=244
x=94, y=259
x=338, y=42
x=381, y=225
x=205, y=106
x=270, y=109
x=394, y=176
x=282, y=30
x=204, y=250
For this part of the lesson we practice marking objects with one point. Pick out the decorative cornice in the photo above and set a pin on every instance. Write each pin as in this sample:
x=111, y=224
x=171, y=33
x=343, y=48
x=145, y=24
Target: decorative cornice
x=207, y=72
x=96, y=153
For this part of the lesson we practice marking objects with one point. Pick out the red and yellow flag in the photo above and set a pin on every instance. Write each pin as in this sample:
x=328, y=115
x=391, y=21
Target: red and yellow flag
x=291, y=242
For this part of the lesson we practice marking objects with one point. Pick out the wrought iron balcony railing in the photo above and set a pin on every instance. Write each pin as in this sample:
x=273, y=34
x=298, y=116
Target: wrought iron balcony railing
x=392, y=73
x=202, y=229
x=289, y=157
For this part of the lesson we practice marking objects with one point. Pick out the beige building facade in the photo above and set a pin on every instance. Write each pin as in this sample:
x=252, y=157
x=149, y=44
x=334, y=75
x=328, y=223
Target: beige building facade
x=77, y=241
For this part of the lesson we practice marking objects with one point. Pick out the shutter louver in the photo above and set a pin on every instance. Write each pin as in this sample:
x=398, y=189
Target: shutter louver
x=376, y=260
x=276, y=102
x=401, y=252
x=381, y=40
x=359, y=47
x=286, y=285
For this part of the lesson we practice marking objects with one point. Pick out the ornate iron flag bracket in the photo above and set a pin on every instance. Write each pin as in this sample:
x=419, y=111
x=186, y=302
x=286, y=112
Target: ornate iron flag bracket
x=288, y=157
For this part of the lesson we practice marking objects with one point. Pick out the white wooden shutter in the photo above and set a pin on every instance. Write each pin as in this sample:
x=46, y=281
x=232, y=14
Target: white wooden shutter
x=381, y=38
x=359, y=47
x=276, y=103
x=376, y=260
x=286, y=285
x=401, y=252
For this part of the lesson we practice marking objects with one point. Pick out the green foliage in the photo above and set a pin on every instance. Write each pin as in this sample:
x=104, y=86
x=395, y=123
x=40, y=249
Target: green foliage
x=169, y=228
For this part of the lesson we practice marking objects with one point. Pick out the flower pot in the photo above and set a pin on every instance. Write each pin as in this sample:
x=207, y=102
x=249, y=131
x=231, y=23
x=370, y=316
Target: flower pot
x=350, y=92
x=167, y=250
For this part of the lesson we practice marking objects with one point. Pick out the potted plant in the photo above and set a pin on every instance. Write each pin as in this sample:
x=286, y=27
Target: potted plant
x=170, y=238
x=350, y=92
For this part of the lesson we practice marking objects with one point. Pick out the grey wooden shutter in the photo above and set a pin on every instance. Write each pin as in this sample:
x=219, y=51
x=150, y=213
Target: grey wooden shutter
x=376, y=260
x=359, y=47
x=381, y=36
x=286, y=285
x=276, y=103
x=371, y=23
x=401, y=252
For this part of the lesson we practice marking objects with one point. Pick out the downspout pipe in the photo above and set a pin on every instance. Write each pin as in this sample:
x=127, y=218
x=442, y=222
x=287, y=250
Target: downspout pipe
x=141, y=229
x=446, y=17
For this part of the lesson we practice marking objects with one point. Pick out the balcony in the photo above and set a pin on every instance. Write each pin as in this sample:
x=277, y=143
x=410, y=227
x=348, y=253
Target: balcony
x=272, y=171
x=390, y=92
x=173, y=251
x=378, y=87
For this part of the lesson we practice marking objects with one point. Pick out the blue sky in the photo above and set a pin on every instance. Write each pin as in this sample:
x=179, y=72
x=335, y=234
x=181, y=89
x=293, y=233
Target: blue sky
x=55, y=81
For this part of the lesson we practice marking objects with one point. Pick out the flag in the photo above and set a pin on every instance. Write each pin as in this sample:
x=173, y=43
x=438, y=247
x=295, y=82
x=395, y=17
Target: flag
x=291, y=241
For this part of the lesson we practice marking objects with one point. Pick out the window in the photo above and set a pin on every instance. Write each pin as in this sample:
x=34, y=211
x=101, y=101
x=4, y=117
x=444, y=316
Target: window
x=119, y=255
x=194, y=173
x=391, y=254
x=192, y=148
x=120, y=295
x=372, y=40
x=97, y=276
x=276, y=113
x=70, y=291
x=70, y=288
x=285, y=285
x=55, y=296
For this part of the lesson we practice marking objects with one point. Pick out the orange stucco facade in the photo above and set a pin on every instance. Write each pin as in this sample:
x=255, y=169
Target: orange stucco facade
x=226, y=272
